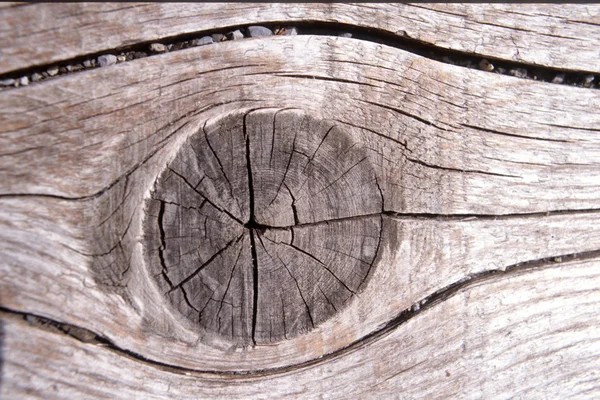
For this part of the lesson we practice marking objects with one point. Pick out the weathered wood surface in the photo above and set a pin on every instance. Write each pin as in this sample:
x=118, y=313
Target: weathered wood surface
x=560, y=36
x=520, y=335
x=460, y=173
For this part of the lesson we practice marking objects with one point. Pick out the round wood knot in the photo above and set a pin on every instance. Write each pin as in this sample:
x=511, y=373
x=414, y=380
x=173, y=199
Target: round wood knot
x=264, y=225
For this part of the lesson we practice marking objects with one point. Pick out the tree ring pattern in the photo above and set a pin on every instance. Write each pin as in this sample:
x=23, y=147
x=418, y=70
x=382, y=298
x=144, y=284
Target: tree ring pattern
x=264, y=225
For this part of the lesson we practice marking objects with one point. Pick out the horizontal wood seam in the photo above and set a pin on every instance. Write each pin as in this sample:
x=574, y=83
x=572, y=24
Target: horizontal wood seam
x=415, y=309
x=331, y=29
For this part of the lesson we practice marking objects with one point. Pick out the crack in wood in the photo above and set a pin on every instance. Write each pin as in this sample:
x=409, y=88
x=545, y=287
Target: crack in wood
x=399, y=40
x=333, y=193
x=420, y=306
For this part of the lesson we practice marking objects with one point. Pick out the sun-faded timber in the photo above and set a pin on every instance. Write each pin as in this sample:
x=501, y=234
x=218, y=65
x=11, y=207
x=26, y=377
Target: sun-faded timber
x=299, y=216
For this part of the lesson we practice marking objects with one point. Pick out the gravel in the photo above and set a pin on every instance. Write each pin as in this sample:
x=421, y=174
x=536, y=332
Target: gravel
x=7, y=82
x=88, y=63
x=24, y=81
x=292, y=31
x=217, y=37
x=518, y=72
x=158, y=48
x=106, y=60
x=345, y=34
x=52, y=71
x=559, y=78
x=486, y=65
x=203, y=41
x=36, y=77
x=235, y=35
x=258, y=31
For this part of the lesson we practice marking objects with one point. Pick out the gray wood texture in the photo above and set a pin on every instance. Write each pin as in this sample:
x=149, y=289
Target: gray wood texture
x=560, y=36
x=264, y=225
x=459, y=208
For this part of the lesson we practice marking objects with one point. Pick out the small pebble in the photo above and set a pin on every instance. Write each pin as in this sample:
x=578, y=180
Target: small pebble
x=62, y=70
x=518, y=72
x=45, y=74
x=345, y=34
x=24, y=81
x=217, y=37
x=292, y=31
x=158, y=48
x=501, y=70
x=557, y=259
x=140, y=54
x=106, y=60
x=559, y=78
x=53, y=71
x=589, y=81
x=235, y=35
x=169, y=47
x=87, y=64
x=203, y=41
x=7, y=82
x=258, y=31
x=36, y=77
x=121, y=58
x=486, y=65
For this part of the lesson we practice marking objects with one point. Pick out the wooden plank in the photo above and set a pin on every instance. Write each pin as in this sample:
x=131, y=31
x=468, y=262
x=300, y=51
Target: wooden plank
x=451, y=136
x=523, y=334
x=47, y=273
x=557, y=36
x=441, y=141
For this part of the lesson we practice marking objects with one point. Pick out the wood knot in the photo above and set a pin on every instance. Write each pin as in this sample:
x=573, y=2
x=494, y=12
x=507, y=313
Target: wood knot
x=263, y=225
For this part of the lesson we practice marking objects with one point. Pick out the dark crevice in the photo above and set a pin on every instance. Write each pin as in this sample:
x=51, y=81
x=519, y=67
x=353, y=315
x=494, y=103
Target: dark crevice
x=227, y=289
x=458, y=217
x=163, y=245
x=224, y=211
x=381, y=195
x=403, y=144
x=312, y=322
x=401, y=318
x=479, y=128
x=468, y=171
x=380, y=236
x=402, y=112
x=252, y=225
x=187, y=299
x=327, y=299
x=324, y=78
x=400, y=40
x=205, y=264
x=252, y=218
x=294, y=210
x=255, y=285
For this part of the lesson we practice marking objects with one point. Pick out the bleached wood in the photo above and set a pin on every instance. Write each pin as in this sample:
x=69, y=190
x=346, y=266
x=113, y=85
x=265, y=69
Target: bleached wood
x=453, y=146
x=560, y=36
x=518, y=335
x=464, y=173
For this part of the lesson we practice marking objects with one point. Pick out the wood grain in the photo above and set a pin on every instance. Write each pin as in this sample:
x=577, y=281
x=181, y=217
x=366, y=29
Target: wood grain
x=416, y=183
x=495, y=338
x=558, y=36
x=442, y=142
x=252, y=229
